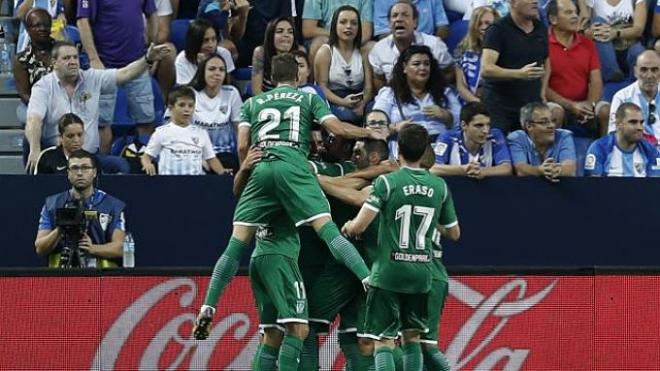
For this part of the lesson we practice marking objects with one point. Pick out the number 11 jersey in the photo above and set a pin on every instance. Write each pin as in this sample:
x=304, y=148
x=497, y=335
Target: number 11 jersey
x=412, y=203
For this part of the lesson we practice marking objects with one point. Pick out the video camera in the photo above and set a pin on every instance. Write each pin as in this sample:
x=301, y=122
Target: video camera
x=73, y=219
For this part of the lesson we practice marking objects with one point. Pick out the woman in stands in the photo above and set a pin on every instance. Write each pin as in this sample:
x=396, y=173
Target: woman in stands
x=617, y=30
x=468, y=54
x=418, y=93
x=280, y=38
x=217, y=108
x=341, y=69
x=201, y=42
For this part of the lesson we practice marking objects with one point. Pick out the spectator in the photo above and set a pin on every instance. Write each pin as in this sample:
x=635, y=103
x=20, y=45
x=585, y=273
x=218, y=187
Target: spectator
x=217, y=109
x=112, y=32
x=164, y=71
x=35, y=60
x=468, y=52
x=317, y=21
x=624, y=152
x=181, y=148
x=279, y=38
x=513, y=62
x=69, y=90
x=71, y=128
x=304, y=78
x=617, y=30
x=575, y=83
x=101, y=245
x=55, y=10
x=201, y=43
x=500, y=6
x=473, y=149
x=643, y=93
x=432, y=18
x=403, y=20
x=229, y=18
x=540, y=149
x=418, y=94
x=342, y=70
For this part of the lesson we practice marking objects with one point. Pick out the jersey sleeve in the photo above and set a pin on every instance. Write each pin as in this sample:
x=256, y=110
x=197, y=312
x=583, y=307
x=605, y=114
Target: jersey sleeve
x=207, y=147
x=379, y=194
x=245, y=115
x=595, y=160
x=118, y=220
x=442, y=149
x=494, y=39
x=320, y=109
x=155, y=144
x=515, y=141
x=447, y=217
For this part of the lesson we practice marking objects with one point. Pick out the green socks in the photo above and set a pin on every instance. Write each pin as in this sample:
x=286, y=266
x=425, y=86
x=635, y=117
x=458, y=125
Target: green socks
x=412, y=357
x=224, y=271
x=348, y=345
x=434, y=360
x=290, y=353
x=265, y=359
x=383, y=359
x=343, y=250
x=309, y=358
x=397, y=353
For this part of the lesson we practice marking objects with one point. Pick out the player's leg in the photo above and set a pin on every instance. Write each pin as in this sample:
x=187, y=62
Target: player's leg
x=300, y=194
x=265, y=358
x=267, y=352
x=434, y=360
x=289, y=357
x=348, y=327
x=382, y=323
x=414, y=317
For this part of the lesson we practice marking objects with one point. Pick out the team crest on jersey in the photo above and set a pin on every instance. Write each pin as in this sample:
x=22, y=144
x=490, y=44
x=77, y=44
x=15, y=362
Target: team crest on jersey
x=264, y=232
x=104, y=220
x=223, y=109
x=195, y=140
x=590, y=162
x=440, y=148
x=639, y=167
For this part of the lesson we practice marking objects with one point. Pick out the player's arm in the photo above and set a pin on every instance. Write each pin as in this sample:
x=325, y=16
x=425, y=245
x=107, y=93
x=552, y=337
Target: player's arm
x=373, y=172
x=241, y=178
x=448, y=220
x=347, y=195
x=243, y=141
x=345, y=181
x=453, y=232
x=348, y=131
x=358, y=225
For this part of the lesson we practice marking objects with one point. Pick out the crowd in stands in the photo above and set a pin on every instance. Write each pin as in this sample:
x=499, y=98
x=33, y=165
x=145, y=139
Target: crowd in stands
x=504, y=87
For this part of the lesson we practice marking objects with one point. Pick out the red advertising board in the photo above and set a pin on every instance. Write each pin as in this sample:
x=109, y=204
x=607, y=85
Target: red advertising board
x=489, y=323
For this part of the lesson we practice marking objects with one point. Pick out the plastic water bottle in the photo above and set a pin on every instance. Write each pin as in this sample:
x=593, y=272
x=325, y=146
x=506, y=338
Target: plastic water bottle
x=5, y=54
x=129, y=251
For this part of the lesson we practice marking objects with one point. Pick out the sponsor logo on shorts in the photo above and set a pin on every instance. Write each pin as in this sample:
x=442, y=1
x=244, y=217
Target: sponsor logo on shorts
x=410, y=258
x=300, y=306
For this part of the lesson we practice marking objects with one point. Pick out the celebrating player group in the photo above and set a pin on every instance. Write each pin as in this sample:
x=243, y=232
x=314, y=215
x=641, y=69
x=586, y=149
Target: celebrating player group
x=381, y=274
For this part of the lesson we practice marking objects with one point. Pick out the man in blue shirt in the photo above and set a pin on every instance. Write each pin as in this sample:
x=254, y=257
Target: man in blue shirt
x=624, y=152
x=101, y=243
x=432, y=17
x=474, y=149
x=539, y=149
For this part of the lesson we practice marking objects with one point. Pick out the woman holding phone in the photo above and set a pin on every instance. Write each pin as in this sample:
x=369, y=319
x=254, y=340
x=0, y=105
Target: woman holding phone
x=342, y=70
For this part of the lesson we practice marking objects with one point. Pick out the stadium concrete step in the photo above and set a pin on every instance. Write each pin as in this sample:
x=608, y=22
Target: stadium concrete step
x=8, y=118
x=11, y=164
x=11, y=141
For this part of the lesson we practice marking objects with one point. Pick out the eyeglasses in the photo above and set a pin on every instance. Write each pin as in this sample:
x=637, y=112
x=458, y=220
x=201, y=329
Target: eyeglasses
x=542, y=122
x=83, y=169
x=651, y=119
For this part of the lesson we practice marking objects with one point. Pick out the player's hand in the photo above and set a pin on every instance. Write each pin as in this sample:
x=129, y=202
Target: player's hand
x=531, y=71
x=365, y=283
x=378, y=133
x=203, y=323
x=347, y=229
x=253, y=156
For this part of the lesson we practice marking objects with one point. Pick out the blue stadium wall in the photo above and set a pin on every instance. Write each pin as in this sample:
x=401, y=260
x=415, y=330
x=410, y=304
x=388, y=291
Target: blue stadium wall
x=186, y=221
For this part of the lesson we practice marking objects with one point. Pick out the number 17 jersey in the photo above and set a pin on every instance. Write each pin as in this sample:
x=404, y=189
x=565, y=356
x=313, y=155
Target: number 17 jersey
x=280, y=121
x=411, y=203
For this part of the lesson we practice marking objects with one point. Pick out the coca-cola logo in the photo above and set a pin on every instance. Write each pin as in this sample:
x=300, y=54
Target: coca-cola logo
x=465, y=347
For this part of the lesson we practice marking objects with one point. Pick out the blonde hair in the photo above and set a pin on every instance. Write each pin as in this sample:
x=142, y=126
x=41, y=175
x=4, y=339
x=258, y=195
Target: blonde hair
x=471, y=40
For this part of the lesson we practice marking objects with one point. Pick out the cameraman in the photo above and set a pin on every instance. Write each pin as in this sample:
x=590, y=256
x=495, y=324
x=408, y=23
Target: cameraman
x=101, y=242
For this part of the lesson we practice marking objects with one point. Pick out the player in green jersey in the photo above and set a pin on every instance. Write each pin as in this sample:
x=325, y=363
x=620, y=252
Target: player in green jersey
x=411, y=202
x=279, y=122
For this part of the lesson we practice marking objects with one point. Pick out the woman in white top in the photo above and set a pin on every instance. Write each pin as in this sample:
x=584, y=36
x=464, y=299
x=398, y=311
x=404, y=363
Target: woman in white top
x=616, y=27
x=340, y=68
x=201, y=42
x=217, y=108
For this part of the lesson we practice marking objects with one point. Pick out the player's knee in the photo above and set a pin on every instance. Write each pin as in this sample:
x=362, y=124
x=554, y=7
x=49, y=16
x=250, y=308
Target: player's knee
x=384, y=343
x=299, y=330
x=427, y=347
x=273, y=337
x=243, y=233
x=365, y=346
x=410, y=336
